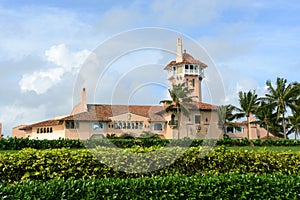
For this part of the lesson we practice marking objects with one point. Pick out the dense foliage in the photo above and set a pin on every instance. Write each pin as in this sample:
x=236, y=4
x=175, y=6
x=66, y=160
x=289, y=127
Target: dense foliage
x=20, y=143
x=271, y=110
x=30, y=164
x=13, y=143
x=246, y=186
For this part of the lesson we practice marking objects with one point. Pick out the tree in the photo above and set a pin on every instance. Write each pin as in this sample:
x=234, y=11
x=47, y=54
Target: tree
x=180, y=102
x=283, y=96
x=248, y=105
x=226, y=116
x=294, y=121
x=265, y=116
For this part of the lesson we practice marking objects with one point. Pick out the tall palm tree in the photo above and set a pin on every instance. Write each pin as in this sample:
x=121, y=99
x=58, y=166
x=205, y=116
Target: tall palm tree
x=283, y=96
x=226, y=114
x=249, y=102
x=180, y=102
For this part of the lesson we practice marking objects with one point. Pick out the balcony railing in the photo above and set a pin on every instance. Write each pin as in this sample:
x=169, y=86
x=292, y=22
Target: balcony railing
x=192, y=71
x=173, y=123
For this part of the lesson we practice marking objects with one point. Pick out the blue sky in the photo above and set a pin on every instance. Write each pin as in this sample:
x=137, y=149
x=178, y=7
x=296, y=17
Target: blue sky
x=44, y=43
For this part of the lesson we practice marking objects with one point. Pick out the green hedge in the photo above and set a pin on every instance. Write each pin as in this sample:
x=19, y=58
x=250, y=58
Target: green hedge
x=232, y=186
x=30, y=164
x=20, y=143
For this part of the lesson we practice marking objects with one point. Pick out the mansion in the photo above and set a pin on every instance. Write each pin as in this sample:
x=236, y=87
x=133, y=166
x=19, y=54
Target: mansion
x=87, y=121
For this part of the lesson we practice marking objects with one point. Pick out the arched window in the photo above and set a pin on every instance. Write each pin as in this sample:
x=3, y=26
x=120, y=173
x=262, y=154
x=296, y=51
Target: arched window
x=158, y=126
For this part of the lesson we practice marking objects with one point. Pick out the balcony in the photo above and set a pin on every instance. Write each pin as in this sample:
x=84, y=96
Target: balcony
x=192, y=71
x=173, y=123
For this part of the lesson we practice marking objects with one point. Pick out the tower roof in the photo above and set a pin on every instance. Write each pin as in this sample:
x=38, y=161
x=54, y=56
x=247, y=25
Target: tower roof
x=187, y=59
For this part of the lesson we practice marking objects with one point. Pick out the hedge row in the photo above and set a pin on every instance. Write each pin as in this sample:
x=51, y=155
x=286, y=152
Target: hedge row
x=232, y=186
x=103, y=162
x=20, y=143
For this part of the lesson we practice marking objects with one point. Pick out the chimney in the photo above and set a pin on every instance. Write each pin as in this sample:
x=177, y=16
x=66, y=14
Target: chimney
x=179, y=51
x=83, y=100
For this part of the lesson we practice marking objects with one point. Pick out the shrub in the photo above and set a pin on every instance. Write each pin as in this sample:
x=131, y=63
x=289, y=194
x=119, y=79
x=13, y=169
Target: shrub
x=30, y=164
x=227, y=186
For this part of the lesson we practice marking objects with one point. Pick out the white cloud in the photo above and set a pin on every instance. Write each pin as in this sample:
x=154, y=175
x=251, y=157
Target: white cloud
x=65, y=60
x=63, y=57
x=41, y=81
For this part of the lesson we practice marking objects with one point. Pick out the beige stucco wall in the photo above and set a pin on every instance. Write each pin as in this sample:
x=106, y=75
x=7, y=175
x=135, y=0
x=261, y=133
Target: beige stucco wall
x=58, y=132
x=132, y=118
x=18, y=133
x=188, y=128
x=255, y=131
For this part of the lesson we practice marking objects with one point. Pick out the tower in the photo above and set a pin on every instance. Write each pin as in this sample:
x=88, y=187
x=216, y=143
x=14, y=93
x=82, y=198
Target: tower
x=186, y=69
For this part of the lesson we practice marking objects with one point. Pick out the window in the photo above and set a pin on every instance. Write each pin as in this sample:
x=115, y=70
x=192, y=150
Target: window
x=239, y=129
x=141, y=125
x=128, y=125
x=158, y=127
x=197, y=119
x=229, y=129
x=97, y=126
x=72, y=124
x=193, y=82
x=37, y=130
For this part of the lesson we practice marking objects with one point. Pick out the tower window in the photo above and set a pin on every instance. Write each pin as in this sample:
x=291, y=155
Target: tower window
x=197, y=119
x=193, y=82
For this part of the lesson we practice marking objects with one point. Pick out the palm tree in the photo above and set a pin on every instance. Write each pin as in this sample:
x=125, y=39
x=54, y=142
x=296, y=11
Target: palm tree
x=226, y=116
x=265, y=116
x=248, y=105
x=283, y=96
x=294, y=121
x=180, y=102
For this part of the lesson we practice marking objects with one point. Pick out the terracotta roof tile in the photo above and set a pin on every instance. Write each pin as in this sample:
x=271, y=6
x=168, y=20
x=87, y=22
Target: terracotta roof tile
x=187, y=59
x=206, y=106
x=42, y=124
x=102, y=112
